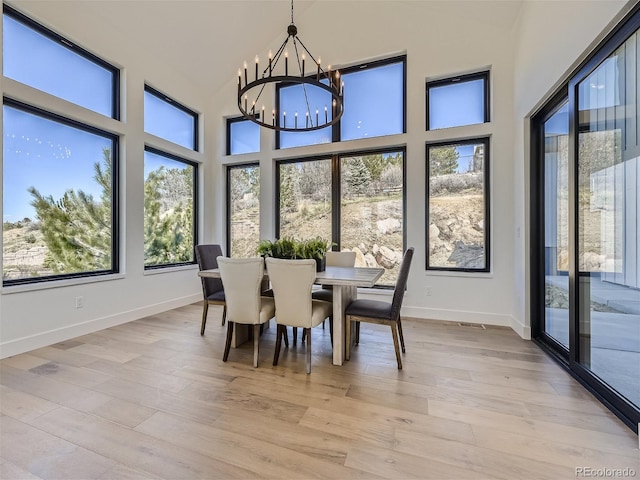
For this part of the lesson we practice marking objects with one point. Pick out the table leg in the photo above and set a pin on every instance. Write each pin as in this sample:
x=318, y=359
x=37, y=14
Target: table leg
x=342, y=296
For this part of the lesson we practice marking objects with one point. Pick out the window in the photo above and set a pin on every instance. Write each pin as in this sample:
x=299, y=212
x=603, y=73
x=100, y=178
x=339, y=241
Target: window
x=374, y=105
x=32, y=52
x=356, y=200
x=170, y=193
x=458, y=206
x=60, y=191
x=243, y=136
x=167, y=119
x=243, y=209
x=458, y=101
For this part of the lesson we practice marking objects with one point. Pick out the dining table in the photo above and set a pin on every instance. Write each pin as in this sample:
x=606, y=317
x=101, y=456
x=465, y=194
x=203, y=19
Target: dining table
x=345, y=282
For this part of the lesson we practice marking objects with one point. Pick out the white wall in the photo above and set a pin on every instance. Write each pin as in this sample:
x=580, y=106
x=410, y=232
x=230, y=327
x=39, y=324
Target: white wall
x=553, y=37
x=440, y=39
x=33, y=318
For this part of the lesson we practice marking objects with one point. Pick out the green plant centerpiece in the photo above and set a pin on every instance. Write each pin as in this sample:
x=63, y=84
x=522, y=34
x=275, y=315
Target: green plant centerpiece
x=292, y=248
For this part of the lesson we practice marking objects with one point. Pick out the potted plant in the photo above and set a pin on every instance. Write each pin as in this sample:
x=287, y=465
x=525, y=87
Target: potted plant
x=291, y=248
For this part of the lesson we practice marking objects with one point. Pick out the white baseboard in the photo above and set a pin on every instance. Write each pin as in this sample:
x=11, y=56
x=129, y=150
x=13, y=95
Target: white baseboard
x=520, y=328
x=496, y=319
x=26, y=344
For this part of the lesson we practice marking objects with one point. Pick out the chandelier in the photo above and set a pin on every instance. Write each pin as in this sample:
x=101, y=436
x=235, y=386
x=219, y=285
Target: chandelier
x=320, y=91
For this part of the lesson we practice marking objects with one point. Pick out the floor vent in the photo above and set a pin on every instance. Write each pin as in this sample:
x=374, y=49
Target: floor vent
x=472, y=325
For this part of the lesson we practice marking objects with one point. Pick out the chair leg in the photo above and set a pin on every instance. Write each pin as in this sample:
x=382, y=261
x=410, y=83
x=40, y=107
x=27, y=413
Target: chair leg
x=276, y=353
x=400, y=334
x=347, y=355
x=308, y=332
x=323, y=324
x=285, y=335
x=295, y=335
x=331, y=329
x=224, y=313
x=395, y=345
x=205, y=309
x=256, y=338
x=357, y=335
x=227, y=345
x=304, y=335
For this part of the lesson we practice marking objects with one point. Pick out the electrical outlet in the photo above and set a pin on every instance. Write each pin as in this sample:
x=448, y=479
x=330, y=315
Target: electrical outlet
x=79, y=302
x=427, y=291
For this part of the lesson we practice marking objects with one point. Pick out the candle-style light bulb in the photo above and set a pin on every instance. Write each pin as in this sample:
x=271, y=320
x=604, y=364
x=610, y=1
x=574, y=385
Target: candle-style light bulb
x=296, y=120
x=318, y=74
x=257, y=61
x=270, y=58
x=284, y=119
x=329, y=76
x=286, y=62
x=326, y=115
x=273, y=117
x=245, y=103
x=302, y=72
x=307, y=120
x=245, y=73
x=317, y=123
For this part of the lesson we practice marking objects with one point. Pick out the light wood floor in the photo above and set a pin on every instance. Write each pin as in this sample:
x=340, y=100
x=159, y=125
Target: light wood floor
x=153, y=399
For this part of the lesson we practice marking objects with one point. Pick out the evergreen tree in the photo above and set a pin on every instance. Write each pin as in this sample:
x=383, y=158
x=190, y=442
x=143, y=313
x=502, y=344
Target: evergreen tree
x=375, y=164
x=289, y=187
x=168, y=216
x=77, y=228
x=443, y=161
x=357, y=176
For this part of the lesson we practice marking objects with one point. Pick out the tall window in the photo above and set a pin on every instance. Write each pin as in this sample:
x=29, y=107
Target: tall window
x=458, y=101
x=168, y=119
x=243, y=209
x=457, y=205
x=355, y=200
x=60, y=194
x=374, y=105
x=169, y=209
x=31, y=53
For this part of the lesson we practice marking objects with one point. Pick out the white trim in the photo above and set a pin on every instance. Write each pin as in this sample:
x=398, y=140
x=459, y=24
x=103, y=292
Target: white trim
x=485, y=318
x=67, y=282
x=26, y=344
x=520, y=328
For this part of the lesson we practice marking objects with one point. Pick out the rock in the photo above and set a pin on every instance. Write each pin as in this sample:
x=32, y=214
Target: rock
x=370, y=260
x=360, y=260
x=387, y=258
x=363, y=248
x=375, y=249
x=467, y=256
x=389, y=225
x=434, y=232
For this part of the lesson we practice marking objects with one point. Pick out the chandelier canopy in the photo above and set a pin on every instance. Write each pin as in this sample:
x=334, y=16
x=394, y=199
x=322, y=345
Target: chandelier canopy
x=320, y=92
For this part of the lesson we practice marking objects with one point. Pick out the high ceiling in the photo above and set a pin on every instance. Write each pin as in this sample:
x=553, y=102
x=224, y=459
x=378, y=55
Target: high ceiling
x=210, y=38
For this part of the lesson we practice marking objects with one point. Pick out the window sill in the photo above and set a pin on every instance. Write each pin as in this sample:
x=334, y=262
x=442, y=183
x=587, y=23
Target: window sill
x=178, y=268
x=46, y=285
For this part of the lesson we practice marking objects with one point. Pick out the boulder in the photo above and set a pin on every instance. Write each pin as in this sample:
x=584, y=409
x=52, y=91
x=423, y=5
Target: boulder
x=360, y=258
x=387, y=258
x=388, y=226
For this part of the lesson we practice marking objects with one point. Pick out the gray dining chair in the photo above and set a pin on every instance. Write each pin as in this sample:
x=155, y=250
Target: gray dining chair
x=242, y=281
x=385, y=313
x=291, y=281
x=212, y=290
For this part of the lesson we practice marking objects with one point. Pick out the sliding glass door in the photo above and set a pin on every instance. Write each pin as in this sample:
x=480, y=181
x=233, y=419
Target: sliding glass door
x=586, y=223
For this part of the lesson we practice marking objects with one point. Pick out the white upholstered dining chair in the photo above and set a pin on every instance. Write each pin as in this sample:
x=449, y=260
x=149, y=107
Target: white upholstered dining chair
x=242, y=281
x=291, y=281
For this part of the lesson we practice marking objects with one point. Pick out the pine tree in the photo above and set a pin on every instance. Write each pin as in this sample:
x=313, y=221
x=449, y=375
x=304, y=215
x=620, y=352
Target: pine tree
x=168, y=216
x=77, y=228
x=289, y=188
x=443, y=161
x=357, y=176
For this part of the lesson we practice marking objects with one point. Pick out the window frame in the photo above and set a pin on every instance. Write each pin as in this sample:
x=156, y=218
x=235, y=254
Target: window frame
x=174, y=103
x=230, y=121
x=196, y=213
x=336, y=129
x=115, y=194
x=336, y=193
x=228, y=197
x=469, y=77
x=486, y=180
x=75, y=48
